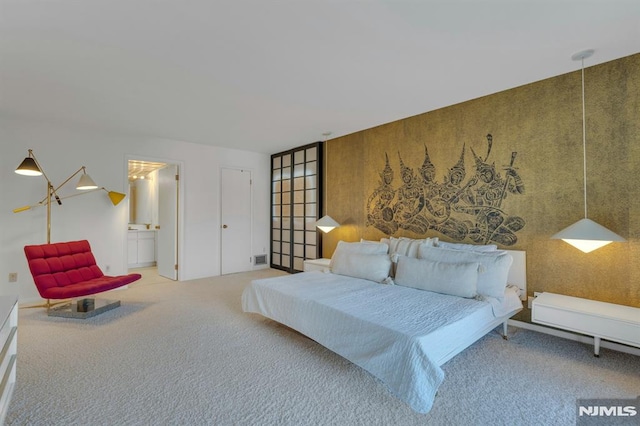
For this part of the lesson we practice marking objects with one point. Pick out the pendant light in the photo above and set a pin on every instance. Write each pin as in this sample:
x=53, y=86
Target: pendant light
x=585, y=234
x=326, y=223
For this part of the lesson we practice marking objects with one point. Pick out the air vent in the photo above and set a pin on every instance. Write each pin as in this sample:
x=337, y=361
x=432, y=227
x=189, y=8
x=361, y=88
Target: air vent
x=260, y=259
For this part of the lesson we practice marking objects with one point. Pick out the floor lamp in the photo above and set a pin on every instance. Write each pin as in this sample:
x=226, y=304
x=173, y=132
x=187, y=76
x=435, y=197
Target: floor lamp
x=31, y=167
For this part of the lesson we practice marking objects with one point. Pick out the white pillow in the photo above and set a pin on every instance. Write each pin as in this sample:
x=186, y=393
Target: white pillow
x=361, y=247
x=406, y=246
x=456, y=279
x=362, y=240
x=471, y=247
x=492, y=281
x=365, y=247
x=372, y=267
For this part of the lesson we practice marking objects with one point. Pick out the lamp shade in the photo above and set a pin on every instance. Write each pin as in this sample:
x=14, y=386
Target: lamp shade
x=116, y=197
x=86, y=182
x=326, y=224
x=28, y=167
x=587, y=235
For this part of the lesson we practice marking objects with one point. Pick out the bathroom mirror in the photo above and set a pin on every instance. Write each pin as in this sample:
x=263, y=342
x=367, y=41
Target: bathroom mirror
x=143, y=193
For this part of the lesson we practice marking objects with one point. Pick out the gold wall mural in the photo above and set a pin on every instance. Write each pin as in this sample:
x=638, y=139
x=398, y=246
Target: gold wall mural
x=514, y=188
x=461, y=206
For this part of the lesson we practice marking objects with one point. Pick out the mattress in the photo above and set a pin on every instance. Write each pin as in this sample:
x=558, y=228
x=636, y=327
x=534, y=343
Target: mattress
x=400, y=335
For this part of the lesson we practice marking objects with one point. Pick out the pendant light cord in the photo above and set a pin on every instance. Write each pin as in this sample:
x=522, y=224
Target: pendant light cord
x=324, y=174
x=584, y=145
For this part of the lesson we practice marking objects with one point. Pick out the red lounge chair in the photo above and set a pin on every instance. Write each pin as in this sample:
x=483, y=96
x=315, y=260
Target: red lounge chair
x=68, y=270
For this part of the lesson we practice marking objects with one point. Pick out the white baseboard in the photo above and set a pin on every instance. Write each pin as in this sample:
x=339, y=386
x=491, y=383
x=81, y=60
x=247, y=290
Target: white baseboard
x=573, y=336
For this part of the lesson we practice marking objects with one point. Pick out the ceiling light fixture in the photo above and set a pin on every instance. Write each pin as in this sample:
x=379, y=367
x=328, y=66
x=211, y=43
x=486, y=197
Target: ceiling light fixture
x=585, y=234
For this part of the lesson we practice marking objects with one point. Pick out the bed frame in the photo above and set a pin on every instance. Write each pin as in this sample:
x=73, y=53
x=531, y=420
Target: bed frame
x=415, y=383
x=518, y=271
x=517, y=276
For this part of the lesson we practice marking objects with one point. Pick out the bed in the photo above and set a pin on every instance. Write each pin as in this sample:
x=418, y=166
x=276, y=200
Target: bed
x=400, y=334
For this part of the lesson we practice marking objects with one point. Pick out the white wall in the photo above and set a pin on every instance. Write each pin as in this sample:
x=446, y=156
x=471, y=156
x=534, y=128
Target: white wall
x=61, y=151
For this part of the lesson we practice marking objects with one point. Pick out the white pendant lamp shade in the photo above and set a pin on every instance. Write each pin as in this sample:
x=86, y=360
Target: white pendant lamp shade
x=587, y=235
x=326, y=224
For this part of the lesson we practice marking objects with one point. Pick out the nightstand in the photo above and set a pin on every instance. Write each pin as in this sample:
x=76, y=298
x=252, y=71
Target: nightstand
x=601, y=320
x=317, y=265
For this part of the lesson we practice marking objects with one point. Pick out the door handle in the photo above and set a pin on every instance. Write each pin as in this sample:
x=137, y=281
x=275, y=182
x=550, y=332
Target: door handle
x=224, y=226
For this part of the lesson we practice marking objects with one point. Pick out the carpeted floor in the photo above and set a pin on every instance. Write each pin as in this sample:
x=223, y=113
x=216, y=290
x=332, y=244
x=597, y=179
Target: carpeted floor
x=183, y=353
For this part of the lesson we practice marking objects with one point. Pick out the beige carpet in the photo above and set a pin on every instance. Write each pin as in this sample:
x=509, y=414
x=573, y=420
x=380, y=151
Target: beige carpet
x=183, y=353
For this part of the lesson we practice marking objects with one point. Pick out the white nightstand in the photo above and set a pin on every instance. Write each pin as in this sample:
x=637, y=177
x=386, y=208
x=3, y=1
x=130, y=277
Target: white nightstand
x=601, y=320
x=8, y=331
x=317, y=265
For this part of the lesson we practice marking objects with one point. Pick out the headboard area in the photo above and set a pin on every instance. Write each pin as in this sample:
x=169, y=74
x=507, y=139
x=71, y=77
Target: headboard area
x=518, y=271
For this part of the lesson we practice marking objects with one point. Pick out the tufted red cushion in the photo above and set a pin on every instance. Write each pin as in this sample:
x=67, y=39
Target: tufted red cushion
x=67, y=270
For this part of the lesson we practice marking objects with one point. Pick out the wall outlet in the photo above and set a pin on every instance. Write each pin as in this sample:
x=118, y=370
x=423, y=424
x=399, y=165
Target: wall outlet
x=13, y=277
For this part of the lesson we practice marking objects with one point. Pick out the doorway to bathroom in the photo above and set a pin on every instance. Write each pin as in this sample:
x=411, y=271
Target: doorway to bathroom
x=152, y=234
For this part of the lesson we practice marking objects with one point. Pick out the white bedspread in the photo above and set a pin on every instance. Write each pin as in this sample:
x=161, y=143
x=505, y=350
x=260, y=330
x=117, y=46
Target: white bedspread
x=384, y=329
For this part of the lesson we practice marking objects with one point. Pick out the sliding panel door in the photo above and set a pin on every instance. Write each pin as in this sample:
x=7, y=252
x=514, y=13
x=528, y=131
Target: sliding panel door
x=280, y=211
x=295, y=206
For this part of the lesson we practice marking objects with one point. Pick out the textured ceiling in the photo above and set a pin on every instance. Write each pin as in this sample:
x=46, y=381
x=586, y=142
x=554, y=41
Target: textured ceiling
x=270, y=75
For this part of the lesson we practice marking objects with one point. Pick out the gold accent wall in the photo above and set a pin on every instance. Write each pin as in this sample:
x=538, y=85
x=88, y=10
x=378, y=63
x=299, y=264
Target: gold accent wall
x=542, y=122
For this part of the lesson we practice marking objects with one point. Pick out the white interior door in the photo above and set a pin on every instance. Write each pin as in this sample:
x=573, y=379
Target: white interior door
x=167, y=234
x=235, y=200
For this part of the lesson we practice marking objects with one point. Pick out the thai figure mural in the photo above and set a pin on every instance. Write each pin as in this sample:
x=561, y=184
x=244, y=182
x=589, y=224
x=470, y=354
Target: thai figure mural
x=410, y=201
x=463, y=206
x=436, y=209
x=492, y=223
x=438, y=198
x=379, y=210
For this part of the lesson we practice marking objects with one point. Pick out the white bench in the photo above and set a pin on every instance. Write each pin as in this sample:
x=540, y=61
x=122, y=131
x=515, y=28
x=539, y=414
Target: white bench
x=601, y=320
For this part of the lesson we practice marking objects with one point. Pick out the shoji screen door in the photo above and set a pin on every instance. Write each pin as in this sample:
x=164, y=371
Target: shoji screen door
x=296, y=197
